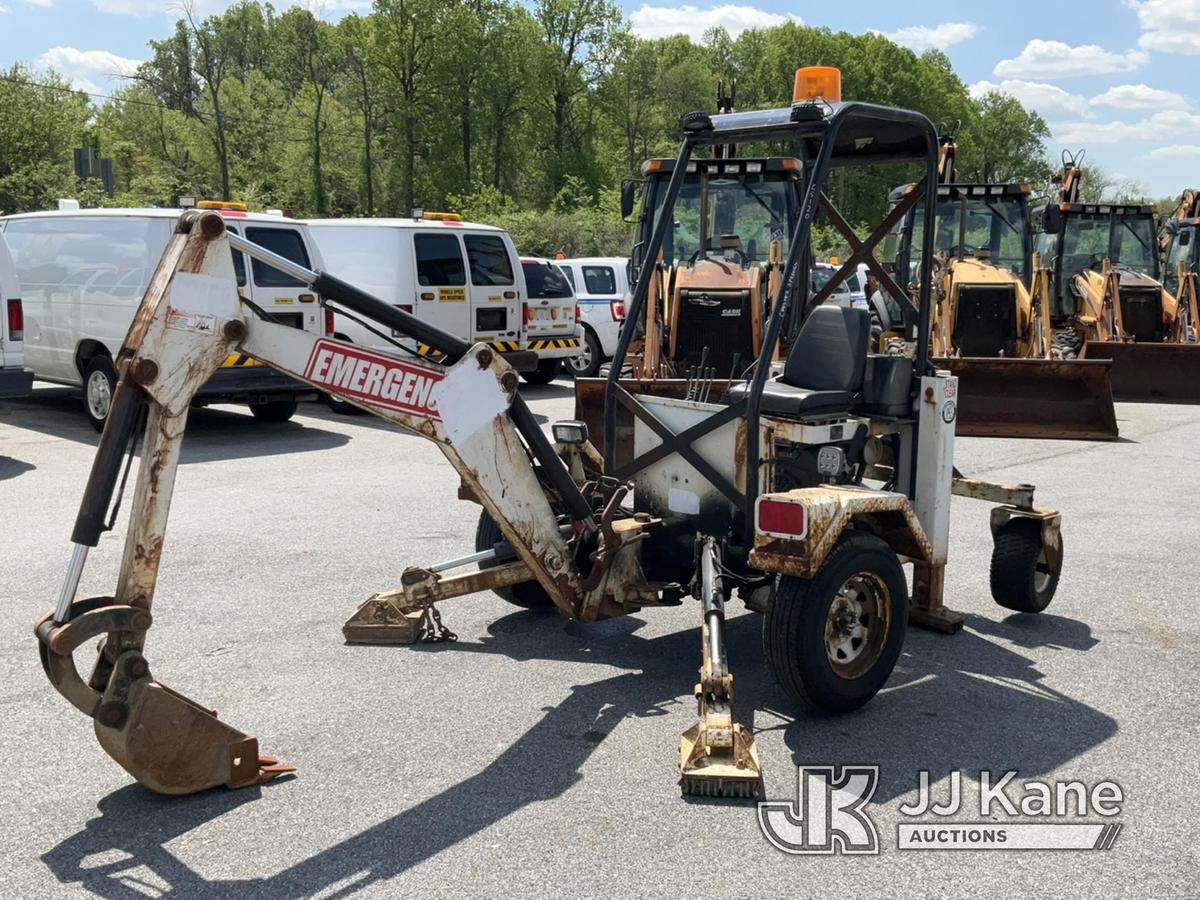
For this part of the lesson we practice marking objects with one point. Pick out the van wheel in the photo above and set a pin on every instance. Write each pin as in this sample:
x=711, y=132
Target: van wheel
x=274, y=410
x=587, y=363
x=99, y=384
x=831, y=641
x=547, y=370
x=528, y=594
x=341, y=407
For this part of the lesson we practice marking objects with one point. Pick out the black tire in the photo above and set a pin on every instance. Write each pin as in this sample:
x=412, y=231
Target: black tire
x=530, y=594
x=341, y=407
x=587, y=364
x=1023, y=578
x=274, y=410
x=795, y=626
x=99, y=385
x=547, y=370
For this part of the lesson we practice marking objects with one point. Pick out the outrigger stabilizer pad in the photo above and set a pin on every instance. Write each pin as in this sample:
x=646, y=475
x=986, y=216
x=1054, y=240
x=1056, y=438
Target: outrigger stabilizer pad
x=715, y=771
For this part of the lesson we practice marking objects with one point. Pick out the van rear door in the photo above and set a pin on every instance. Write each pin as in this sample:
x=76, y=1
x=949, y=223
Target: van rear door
x=288, y=299
x=441, y=291
x=551, y=306
x=495, y=297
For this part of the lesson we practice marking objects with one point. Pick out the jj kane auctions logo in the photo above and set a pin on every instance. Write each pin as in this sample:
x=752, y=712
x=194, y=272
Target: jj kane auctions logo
x=829, y=814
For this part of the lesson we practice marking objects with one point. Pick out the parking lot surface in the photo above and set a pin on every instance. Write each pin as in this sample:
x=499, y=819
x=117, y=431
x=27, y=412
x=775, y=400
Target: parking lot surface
x=537, y=758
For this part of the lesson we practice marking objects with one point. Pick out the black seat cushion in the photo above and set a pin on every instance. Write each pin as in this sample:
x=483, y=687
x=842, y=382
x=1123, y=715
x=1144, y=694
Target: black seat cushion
x=823, y=374
x=830, y=352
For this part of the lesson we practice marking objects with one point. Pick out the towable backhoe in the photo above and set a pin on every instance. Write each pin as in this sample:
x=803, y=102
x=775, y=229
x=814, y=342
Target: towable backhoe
x=1108, y=295
x=991, y=316
x=805, y=487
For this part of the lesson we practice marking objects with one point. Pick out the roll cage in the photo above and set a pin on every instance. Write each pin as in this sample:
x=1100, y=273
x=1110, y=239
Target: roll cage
x=824, y=136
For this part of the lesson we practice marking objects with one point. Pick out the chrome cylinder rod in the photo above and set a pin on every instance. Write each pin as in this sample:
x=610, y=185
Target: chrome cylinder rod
x=79, y=553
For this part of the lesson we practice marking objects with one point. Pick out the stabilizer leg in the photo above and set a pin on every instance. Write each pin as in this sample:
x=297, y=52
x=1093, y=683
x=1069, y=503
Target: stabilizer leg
x=717, y=756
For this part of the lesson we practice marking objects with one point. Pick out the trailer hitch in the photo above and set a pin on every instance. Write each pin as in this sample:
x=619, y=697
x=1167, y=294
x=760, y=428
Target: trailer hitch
x=166, y=741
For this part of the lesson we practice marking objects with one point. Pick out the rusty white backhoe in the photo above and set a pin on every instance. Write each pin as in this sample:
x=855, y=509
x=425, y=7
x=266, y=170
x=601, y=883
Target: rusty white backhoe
x=805, y=488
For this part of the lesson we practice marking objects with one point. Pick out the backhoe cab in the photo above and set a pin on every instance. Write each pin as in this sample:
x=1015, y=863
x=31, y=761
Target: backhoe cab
x=991, y=317
x=1109, y=294
x=805, y=487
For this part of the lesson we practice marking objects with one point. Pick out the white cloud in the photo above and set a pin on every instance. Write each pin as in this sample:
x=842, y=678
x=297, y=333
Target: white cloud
x=663, y=21
x=932, y=37
x=132, y=7
x=95, y=71
x=1054, y=59
x=1175, y=151
x=1158, y=127
x=1047, y=99
x=41, y=3
x=1170, y=26
x=1140, y=96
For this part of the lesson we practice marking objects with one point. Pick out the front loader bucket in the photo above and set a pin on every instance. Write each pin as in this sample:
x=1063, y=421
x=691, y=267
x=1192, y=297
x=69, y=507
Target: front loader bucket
x=1033, y=398
x=1150, y=373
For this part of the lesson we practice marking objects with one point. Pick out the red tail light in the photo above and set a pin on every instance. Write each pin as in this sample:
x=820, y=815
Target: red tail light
x=524, y=313
x=404, y=307
x=577, y=314
x=328, y=322
x=782, y=518
x=618, y=310
x=16, y=320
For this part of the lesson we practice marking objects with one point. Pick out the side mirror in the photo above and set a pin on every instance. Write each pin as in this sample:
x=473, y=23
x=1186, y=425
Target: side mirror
x=1051, y=219
x=628, y=195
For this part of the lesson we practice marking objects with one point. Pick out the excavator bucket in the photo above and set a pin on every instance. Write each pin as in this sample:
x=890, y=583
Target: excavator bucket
x=167, y=742
x=1033, y=398
x=1150, y=373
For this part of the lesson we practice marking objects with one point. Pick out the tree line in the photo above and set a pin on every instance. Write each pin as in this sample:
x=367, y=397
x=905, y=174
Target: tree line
x=523, y=114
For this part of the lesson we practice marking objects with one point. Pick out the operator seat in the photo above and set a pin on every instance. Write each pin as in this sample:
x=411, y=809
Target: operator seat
x=824, y=371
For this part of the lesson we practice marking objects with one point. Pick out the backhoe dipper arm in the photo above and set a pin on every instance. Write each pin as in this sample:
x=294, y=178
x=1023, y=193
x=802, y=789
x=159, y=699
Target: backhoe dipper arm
x=189, y=321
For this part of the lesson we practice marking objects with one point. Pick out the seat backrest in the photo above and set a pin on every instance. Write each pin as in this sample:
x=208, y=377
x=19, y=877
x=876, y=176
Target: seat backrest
x=830, y=352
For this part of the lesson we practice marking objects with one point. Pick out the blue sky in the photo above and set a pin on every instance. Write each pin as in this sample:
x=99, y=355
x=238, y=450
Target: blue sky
x=1115, y=76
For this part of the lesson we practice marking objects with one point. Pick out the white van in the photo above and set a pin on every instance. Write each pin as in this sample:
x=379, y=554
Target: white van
x=462, y=277
x=601, y=286
x=83, y=273
x=15, y=380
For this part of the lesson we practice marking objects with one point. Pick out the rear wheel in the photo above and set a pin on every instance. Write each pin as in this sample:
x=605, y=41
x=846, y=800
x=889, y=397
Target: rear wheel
x=274, y=410
x=99, y=384
x=1025, y=571
x=547, y=370
x=587, y=363
x=341, y=407
x=529, y=594
x=832, y=641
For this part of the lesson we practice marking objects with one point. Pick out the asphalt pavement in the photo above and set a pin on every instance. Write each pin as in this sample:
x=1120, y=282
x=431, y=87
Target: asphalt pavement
x=535, y=757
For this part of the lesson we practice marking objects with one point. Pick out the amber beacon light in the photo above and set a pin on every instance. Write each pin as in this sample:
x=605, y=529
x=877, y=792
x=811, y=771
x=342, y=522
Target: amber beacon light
x=818, y=82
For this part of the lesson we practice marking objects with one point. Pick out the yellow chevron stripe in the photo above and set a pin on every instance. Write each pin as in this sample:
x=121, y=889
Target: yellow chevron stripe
x=239, y=359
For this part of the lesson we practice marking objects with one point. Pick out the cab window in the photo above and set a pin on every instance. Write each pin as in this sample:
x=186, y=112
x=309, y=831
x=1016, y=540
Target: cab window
x=570, y=273
x=285, y=242
x=439, y=260
x=489, y=260
x=599, y=279
x=239, y=262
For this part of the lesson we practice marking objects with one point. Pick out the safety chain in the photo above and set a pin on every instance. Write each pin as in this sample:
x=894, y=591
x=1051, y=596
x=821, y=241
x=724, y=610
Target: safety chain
x=433, y=630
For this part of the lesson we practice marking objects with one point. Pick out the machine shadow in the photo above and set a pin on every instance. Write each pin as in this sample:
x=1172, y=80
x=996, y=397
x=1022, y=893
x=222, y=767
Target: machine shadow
x=11, y=468
x=213, y=433
x=953, y=703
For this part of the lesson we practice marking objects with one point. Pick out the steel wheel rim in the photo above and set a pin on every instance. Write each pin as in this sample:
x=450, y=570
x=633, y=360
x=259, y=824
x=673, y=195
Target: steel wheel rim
x=857, y=625
x=99, y=395
x=1042, y=572
x=583, y=361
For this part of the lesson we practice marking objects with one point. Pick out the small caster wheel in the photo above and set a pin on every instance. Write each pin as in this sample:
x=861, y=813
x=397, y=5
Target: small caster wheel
x=1024, y=570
